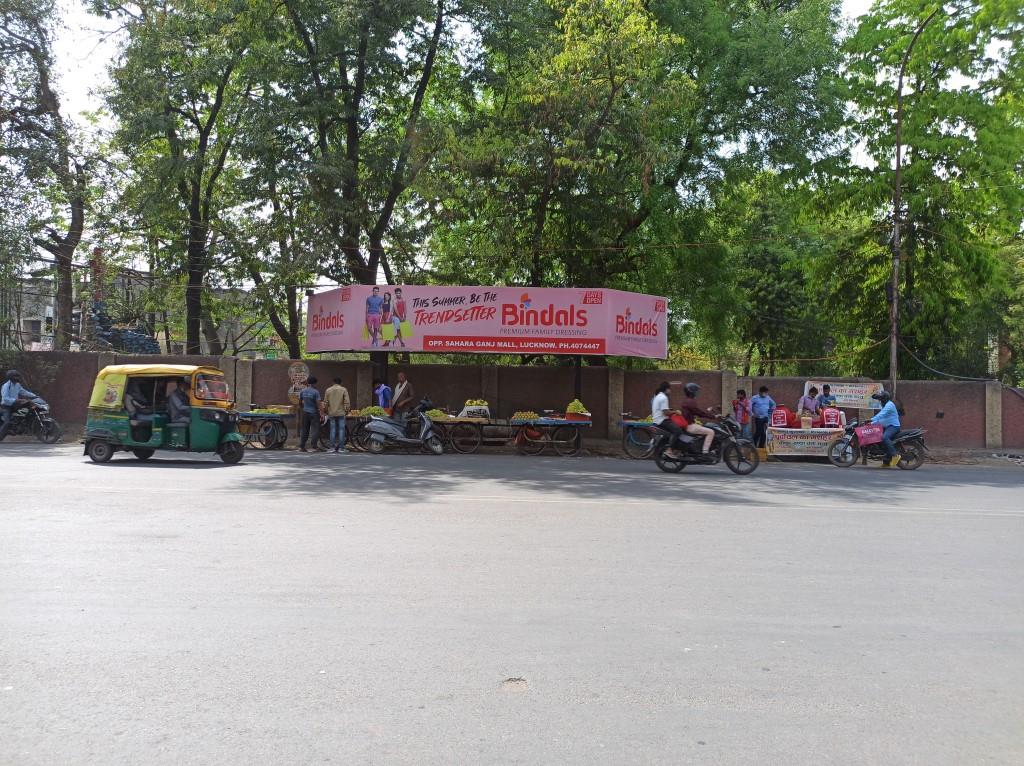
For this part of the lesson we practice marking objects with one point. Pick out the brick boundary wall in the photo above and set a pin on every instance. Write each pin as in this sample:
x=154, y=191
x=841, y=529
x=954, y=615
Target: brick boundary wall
x=956, y=414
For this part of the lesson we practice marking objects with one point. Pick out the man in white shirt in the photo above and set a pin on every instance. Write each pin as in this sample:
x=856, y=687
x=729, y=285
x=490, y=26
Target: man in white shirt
x=661, y=414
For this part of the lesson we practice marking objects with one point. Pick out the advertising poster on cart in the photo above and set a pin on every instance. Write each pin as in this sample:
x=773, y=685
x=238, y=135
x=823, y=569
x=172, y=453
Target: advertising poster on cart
x=487, y=320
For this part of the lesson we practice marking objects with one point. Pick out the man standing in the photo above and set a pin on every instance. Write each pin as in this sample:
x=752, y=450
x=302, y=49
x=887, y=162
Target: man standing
x=741, y=411
x=826, y=399
x=761, y=407
x=374, y=314
x=309, y=399
x=404, y=394
x=337, y=403
x=11, y=394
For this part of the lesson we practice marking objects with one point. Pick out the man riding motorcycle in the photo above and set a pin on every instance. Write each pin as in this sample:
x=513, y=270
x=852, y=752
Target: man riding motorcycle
x=889, y=418
x=12, y=395
x=661, y=414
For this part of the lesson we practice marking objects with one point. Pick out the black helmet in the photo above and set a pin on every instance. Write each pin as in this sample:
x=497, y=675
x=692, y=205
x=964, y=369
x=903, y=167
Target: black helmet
x=13, y=375
x=691, y=390
x=882, y=396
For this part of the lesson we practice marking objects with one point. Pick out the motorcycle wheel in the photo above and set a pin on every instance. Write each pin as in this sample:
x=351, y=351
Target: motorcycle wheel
x=375, y=446
x=434, y=445
x=143, y=454
x=232, y=452
x=668, y=464
x=911, y=456
x=842, y=452
x=47, y=431
x=741, y=459
x=99, y=451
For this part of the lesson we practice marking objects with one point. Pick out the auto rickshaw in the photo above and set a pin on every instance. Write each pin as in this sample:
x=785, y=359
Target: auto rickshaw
x=141, y=408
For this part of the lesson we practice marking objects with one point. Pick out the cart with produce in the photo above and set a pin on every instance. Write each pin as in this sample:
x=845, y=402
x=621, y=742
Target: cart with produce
x=637, y=436
x=264, y=427
x=560, y=433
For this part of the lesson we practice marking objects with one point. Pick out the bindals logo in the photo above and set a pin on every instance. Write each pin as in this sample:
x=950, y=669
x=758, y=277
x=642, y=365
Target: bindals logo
x=626, y=325
x=523, y=314
x=327, y=320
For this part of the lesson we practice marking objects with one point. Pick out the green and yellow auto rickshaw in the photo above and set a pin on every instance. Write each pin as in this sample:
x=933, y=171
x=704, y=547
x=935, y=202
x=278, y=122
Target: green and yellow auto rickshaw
x=141, y=408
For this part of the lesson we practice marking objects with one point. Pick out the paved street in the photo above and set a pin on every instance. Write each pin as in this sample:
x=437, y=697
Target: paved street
x=301, y=609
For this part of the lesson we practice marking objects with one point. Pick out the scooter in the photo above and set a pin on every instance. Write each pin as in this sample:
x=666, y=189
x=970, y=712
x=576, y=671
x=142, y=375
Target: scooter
x=382, y=432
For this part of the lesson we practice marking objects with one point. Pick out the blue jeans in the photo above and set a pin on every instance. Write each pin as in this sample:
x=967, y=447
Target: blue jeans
x=887, y=435
x=746, y=431
x=337, y=426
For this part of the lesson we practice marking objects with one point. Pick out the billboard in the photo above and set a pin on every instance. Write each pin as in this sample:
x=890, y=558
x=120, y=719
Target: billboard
x=487, y=320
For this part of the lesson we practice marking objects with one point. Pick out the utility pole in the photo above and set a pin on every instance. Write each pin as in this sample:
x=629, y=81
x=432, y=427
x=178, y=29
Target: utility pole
x=894, y=289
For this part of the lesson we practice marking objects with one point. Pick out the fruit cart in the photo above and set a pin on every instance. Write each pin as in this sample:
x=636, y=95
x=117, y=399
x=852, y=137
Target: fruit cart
x=562, y=434
x=264, y=428
x=637, y=436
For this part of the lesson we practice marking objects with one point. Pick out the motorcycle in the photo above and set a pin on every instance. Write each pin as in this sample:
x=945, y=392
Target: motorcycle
x=739, y=454
x=381, y=431
x=845, y=450
x=32, y=416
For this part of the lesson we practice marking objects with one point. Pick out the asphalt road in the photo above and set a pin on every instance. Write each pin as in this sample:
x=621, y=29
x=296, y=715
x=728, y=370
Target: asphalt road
x=307, y=609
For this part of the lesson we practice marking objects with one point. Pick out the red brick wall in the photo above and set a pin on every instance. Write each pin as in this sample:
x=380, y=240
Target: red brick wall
x=638, y=389
x=63, y=378
x=962, y=405
x=1013, y=419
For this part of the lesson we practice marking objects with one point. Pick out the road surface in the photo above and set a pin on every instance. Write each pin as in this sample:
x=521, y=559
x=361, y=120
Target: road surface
x=497, y=609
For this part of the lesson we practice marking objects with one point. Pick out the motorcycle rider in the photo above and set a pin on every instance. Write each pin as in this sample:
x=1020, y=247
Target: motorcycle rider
x=12, y=394
x=691, y=411
x=889, y=418
x=661, y=415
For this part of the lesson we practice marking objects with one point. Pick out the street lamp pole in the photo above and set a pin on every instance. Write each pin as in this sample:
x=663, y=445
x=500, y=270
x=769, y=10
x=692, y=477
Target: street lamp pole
x=894, y=298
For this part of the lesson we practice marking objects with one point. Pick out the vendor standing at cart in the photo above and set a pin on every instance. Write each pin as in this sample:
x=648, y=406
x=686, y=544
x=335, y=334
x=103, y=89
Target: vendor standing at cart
x=761, y=407
x=404, y=396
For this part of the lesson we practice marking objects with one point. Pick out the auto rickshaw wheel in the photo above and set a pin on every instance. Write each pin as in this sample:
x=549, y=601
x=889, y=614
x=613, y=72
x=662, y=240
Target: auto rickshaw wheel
x=231, y=452
x=100, y=451
x=143, y=454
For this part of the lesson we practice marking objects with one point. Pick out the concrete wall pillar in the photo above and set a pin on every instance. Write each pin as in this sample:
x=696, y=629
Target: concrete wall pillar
x=105, y=359
x=364, y=386
x=489, y=388
x=243, y=384
x=616, y=400
x=226, y=364
x=729, y=385
x=993, y=415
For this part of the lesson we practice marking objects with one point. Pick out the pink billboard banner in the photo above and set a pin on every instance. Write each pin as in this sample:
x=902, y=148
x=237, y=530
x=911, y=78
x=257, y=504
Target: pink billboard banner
x=487, y=320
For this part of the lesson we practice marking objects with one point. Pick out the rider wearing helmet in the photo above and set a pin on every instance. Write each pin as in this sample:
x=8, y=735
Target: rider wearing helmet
x=889, y=418
x=11, y=394
x=691, y=411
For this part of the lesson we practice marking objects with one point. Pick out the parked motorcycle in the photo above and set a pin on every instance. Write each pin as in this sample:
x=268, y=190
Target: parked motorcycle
x=739, y=454
x=381, y=432
x=32, y=416
x=845, y=450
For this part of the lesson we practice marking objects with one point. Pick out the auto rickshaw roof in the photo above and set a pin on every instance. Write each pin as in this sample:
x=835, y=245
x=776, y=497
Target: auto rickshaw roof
x=156, y=369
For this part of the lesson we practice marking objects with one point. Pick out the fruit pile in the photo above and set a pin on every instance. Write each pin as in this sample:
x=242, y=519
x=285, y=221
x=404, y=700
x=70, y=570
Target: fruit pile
x=436, y=414
x=476, y=403
x=525, y=415
x=577, y=407
x=378, y=411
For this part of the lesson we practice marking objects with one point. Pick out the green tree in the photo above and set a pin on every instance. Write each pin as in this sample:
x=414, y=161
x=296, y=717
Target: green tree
x=36, y=138
x=181, y=89
x=962, y=191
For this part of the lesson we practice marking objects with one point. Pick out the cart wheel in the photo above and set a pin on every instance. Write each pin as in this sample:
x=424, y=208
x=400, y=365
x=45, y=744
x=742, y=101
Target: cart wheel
x=143, y=454
x=99, y=451
x=465, y=438
x=530, y=440
x=232, y=452
x=266, y=435
x=638, y=442
x=360, y=437
x=566, y=440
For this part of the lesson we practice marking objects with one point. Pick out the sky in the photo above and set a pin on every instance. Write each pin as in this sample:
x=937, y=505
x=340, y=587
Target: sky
x=86, y=45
